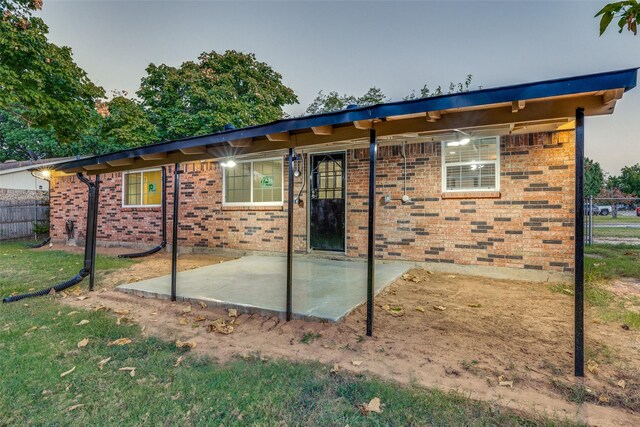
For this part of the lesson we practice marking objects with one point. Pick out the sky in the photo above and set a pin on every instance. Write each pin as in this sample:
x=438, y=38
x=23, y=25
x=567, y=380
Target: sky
x=351, y=46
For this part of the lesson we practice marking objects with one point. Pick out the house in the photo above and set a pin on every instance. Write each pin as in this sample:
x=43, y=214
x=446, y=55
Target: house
x=484, y=182
x=24, y=195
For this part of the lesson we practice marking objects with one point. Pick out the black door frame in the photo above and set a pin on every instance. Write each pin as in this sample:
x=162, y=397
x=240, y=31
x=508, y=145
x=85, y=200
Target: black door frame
x=309, y=184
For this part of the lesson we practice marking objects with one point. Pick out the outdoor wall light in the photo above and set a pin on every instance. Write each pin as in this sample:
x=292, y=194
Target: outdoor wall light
x=44, y=174
x=228, y=164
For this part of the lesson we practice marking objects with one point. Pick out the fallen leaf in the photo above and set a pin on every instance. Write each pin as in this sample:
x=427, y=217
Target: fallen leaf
x=220, y=326
x=622, y=384
x=183, y=321
x=592, y=366
x=416, y=279
x=120, y=341
x=233, y=312
x=83, y=322
x=406, y=276
x=31, y=329
x=335, y=369
x=372, y=406
x=185, y=344
x=64, y=374
x=71, y=313
x=130, y=369
x=474, y=305
x=187, y=309
x=200, y=319
x=396, y=311
x=83, y=343
x=82, y=297
x=121, y=311
x=74, y=407
x=46, y=392
x=439, y=307
x=356, y=362
x=603, y=399
x=179, y=361
x=203, y=305
x=103, y=362
x=420, y=309
x=502, y=381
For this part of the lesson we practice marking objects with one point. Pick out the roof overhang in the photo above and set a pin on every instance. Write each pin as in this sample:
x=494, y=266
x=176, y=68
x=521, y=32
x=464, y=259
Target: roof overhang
x=529, y=107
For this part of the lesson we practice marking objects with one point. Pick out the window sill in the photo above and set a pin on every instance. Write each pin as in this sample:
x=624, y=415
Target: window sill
x=253, y=208
x=471, y=195
x=141, y=208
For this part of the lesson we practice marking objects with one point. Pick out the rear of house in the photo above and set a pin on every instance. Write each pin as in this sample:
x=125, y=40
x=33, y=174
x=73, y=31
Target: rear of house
x=484, y=203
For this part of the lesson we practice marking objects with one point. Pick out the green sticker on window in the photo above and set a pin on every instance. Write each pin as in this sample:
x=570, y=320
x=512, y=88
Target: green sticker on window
x=151, y=188
x=266, y=182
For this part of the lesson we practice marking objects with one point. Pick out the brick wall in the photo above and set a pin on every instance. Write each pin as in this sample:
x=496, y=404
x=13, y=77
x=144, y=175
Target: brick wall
x=528, y=225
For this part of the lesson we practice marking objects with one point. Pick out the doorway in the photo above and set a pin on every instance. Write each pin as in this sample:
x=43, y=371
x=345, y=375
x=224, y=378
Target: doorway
x=327, y=207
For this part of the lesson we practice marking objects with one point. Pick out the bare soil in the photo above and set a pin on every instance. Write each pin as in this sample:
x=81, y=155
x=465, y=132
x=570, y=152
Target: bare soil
x=502, y=341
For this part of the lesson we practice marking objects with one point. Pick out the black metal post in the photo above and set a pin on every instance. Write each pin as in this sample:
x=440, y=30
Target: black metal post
x=290, y=236
x=579, y=247
x=88, y=245
x=164, y=205
x=94, y=232
x=373, y=152
x=174, y=242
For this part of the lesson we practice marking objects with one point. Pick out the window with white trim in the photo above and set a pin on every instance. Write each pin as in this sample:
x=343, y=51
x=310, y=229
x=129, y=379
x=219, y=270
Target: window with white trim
x=142, y=188
x=253, y=183
x=471, y=165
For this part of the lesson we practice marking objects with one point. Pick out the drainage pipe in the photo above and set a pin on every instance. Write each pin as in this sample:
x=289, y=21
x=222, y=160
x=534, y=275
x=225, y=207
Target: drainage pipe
x=163, y=243
x=88, y=250
x=40, y=244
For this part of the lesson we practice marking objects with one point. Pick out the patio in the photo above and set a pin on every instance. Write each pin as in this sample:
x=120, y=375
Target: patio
x=325, y=289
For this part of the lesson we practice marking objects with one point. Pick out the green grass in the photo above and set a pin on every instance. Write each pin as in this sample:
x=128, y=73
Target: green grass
x=38, y=342
x=602, y=264
x=626, y=217
x=618, y=232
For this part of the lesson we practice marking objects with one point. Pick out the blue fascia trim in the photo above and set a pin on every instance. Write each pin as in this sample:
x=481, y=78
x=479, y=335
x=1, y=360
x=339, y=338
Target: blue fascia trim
x=625, y=79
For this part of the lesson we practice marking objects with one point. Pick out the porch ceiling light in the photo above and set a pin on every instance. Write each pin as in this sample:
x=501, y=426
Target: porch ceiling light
x=228, y=164
x=42, y=173
x=463, y=141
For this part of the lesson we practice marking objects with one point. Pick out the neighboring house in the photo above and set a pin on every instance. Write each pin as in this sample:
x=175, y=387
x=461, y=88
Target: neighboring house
x=24, y=195
x=481, y=182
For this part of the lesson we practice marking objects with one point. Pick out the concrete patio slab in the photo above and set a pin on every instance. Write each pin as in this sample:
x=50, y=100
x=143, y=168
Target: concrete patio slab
x=322, y=288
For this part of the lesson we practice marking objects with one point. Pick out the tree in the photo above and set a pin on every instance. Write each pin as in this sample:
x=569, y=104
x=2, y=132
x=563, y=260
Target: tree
x=201, y=97
x=612, y=196
x=333, y=101
x=39, y=82
x=593, y=178
x=126, y=124
x=629, y=180
x=625, y=11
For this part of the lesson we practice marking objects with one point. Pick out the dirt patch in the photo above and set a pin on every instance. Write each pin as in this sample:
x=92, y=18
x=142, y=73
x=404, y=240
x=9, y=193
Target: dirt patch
x=496, y=340
x=627, y=287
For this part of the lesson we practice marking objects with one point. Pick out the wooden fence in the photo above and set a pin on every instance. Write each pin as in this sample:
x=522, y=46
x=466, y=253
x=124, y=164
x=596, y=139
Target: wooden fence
x=17, y=218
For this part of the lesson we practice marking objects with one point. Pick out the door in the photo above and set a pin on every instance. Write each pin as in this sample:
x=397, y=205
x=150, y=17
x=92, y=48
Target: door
x=327, y=205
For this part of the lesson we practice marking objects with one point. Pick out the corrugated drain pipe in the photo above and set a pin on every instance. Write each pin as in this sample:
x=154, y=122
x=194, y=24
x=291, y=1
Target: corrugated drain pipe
x=163, y=243
x=88, y=255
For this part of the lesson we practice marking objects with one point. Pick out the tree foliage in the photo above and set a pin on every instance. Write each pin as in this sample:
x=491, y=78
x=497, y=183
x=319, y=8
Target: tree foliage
x=628, y=181
x=593, y=178
x=201, y=97
x=126, y=124
x=39, y=82
x=333, y=101
x=626, y=12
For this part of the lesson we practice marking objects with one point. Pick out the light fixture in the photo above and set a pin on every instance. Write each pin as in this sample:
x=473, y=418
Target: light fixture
x=228, y=164
x=42, y=173
x=463, y=141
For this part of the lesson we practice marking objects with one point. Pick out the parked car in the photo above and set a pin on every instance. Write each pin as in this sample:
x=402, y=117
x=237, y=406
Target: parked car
x=624, y=207
x=594, y=209
x=638, y=211
x=604, y=210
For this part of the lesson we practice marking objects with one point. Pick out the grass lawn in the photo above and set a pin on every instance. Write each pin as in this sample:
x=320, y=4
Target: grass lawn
x=39, y=342
x=626, y=217
x=619, y=232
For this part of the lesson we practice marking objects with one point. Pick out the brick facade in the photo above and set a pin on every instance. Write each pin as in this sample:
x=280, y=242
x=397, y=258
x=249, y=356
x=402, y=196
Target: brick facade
x=528, y=224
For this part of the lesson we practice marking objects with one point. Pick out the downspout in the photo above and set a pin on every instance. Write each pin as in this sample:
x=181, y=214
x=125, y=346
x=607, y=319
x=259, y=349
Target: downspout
x=163, y=243
x=88, y=249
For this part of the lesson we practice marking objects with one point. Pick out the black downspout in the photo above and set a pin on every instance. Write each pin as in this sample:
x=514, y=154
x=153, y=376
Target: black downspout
x=579, y=247
x=290, y=236
x=174, y=244
x=94, y=232
x=89, y=249
x=373, y=152
x=163, y=227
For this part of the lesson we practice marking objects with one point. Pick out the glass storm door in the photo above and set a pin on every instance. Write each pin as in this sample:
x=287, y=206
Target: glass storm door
x=327, y=206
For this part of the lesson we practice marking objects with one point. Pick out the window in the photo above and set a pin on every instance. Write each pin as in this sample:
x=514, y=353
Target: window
x=142, y=188
x=474, y=166
x=257, y=182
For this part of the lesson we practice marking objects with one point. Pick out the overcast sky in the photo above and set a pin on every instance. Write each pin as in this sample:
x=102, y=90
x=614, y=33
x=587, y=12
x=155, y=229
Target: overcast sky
x=351, y=46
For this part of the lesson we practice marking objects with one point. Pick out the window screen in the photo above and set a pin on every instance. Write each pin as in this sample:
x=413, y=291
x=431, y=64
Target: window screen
x=254, y=182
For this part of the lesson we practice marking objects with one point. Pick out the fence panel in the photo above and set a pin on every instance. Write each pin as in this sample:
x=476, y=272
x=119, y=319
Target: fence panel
x=17, y=218
x=614, y=220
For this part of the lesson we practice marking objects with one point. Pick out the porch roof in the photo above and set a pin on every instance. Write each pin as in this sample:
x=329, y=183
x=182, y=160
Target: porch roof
x=528, y=107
